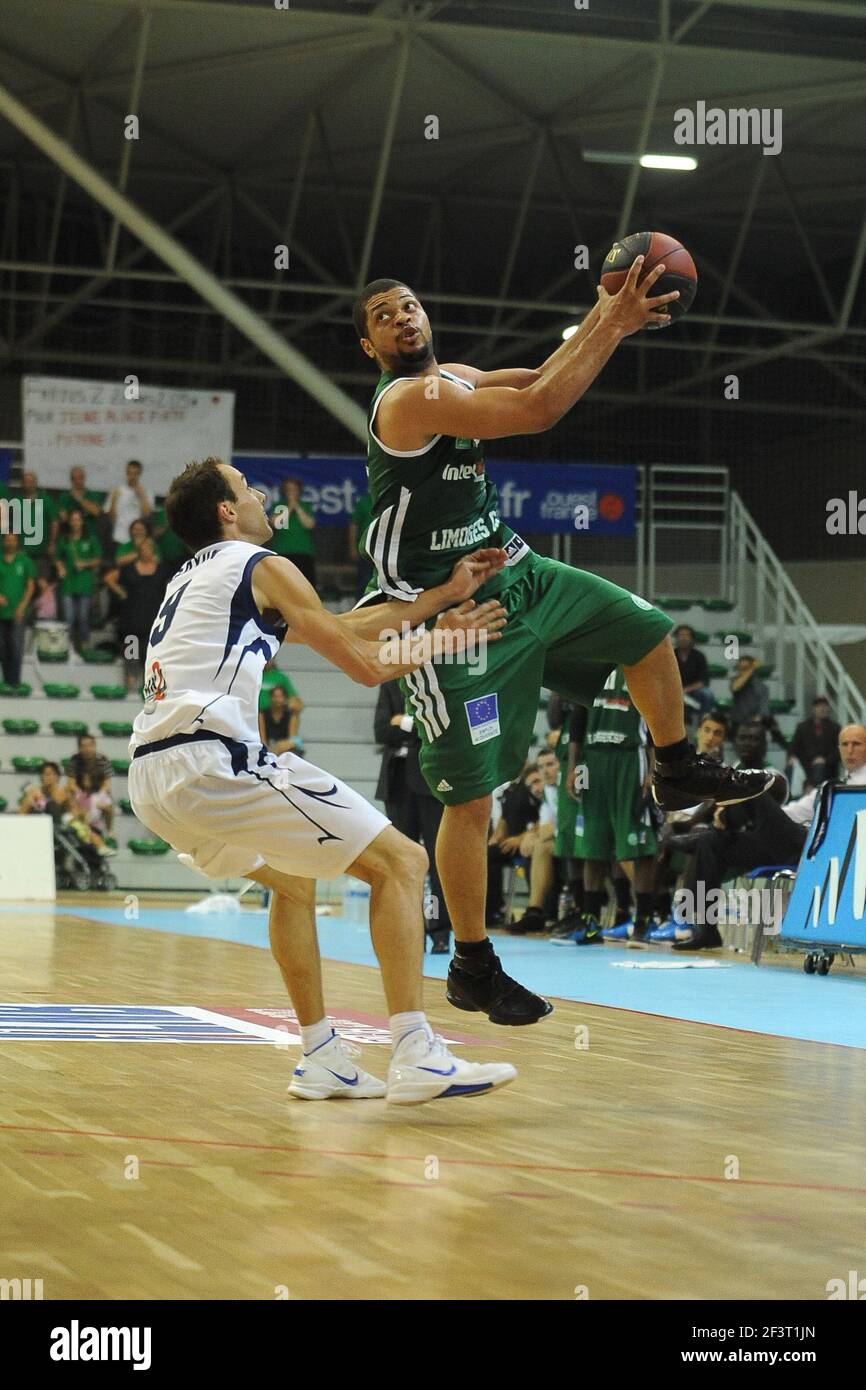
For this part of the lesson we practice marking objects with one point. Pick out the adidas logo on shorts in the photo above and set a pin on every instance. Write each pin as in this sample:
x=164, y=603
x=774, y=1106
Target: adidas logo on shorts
x=444, y=786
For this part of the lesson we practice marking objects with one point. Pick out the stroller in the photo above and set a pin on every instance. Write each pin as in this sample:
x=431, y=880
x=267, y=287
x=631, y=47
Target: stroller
x=78, y=865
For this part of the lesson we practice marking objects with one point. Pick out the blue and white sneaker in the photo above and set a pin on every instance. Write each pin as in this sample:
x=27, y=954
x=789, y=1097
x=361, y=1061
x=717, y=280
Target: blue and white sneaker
x=667, y=931
x=620, y=933
x=422, y=1069
x=588, y=933
x=330, y=1073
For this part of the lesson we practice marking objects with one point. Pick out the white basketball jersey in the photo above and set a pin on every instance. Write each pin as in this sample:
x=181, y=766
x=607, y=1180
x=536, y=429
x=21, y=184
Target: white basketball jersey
x=208, y=648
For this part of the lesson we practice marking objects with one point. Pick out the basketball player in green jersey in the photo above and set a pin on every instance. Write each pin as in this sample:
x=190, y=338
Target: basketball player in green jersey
x=567, y=629
x=614, y=822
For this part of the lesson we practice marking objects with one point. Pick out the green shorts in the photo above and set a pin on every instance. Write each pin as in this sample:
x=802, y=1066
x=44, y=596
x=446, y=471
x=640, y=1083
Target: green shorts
x=567, y=630
x=609, y=823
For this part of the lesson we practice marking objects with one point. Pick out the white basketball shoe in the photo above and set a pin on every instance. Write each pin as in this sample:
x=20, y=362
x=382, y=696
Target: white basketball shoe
x=329, y=1072
x=422, y=1069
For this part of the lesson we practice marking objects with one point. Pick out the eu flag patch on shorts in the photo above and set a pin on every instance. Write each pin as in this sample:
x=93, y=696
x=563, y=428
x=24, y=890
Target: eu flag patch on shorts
x=483, y=717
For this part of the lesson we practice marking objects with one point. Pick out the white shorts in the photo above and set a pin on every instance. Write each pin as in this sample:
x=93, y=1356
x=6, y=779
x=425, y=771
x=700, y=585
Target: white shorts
x=229, y=807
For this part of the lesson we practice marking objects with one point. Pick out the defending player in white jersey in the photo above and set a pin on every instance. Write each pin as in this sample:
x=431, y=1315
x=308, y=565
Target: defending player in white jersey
x=201, y=779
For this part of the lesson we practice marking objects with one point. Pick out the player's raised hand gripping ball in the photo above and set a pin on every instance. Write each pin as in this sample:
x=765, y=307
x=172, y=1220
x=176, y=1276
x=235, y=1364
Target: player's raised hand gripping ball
x=680, y=273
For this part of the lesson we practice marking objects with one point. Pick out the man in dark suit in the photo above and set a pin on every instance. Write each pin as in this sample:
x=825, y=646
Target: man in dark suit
x=409, y=802
x=815, y=745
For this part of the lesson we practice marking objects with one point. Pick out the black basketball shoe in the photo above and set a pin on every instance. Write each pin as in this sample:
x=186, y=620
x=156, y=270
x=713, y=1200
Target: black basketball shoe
x=695, y=778
x=481, y=986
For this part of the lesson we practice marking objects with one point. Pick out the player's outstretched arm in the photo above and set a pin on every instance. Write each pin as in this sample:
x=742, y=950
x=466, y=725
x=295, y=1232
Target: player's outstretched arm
x=521, y=377
x=279, y=586
x=426, y=406
x=465, y=579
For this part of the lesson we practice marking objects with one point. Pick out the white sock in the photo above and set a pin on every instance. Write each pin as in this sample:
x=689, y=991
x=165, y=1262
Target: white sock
x=314, y=1034
x=403, y=1024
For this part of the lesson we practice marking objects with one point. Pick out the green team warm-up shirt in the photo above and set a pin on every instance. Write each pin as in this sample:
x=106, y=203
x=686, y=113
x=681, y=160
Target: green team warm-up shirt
x=613, y=721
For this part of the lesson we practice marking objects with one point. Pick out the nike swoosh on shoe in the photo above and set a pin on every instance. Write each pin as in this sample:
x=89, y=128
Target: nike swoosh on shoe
x=348, y=1080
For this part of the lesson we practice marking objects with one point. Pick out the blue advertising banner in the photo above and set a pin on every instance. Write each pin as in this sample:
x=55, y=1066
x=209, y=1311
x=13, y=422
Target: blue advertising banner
x=827, y=906
x=553, y=497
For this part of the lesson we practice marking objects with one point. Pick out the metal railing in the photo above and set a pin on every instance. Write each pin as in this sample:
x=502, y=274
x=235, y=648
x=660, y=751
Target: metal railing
x=686, y=510
x=770, y=606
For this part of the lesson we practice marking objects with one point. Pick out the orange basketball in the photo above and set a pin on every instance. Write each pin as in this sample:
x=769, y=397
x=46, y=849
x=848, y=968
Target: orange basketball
x=680, y=273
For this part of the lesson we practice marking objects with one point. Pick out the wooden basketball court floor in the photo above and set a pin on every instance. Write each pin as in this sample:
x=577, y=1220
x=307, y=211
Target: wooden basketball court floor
x=665, y=1160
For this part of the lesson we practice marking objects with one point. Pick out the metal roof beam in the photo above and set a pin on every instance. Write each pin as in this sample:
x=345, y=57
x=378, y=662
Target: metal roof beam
x=188, y=268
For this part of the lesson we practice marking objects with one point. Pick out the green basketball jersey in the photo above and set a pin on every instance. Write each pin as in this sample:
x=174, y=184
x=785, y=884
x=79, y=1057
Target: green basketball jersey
x=430, y=506
x=613, y=720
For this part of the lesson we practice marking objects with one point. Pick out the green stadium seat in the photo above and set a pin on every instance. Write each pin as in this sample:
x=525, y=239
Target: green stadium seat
x=148, y=846
x=781, y=706
x=52, y=658
x=126, y=806
x=701, y=638
x=16, y=692
x=20, y=726
x=766, y=670
x=120, y=766
x=22, y=764
x=59, y=690
x=69, y=727
x=115, y=729
x=716, y=670
x=724, y=702
x=97, y=656
x=108, y=692
x=3, y=804
x=675, y=605
x=716, y=605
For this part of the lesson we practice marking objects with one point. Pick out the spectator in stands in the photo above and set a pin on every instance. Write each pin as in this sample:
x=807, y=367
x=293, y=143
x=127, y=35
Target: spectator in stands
x=90, y=780
x=759, y=832
x=31, y=492
x=751, y=698
x=278, y=724
x=294, y=523
x=46, y=600
x=79, y=497
x=17, y=586
x=50, y=795
x=361, y=518
x=127, y=503
x=537, y=844
x=409, y=803
x=521, y=807
x=694, y=673
x=815, y=745
x=173, y=553
x=138, y=531
x=77, y=556
x=272, y=676
x=140, y=588
x=57, y=798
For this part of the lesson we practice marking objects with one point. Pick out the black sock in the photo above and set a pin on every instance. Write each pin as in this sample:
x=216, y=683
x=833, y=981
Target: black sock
x=644, y=902
x=622, y=892
x=674, y=752
x=592, y=902
x=476, y=952
x=576, y=886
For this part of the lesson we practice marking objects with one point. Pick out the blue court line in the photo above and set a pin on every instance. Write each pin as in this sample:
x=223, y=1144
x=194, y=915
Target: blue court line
x=770, y=999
